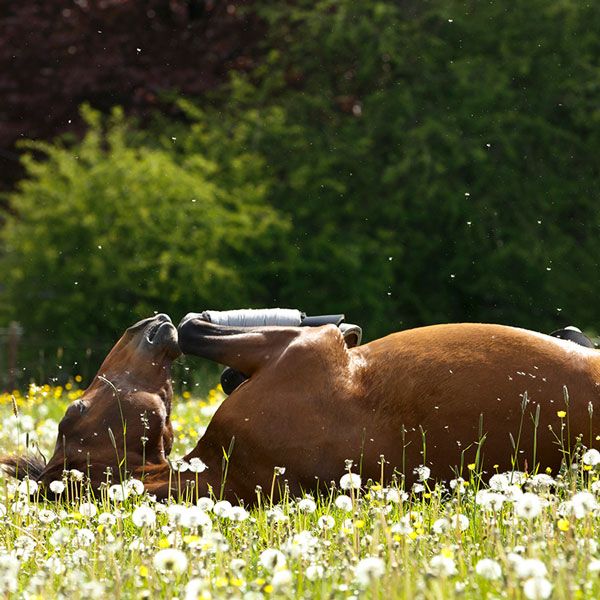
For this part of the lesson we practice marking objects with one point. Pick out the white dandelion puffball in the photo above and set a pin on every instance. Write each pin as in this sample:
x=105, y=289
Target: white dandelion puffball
x=272, y=559
x=196, y=465
x=369, y=569
x=326, y=522
x=281, y=579
x=307, y=505
x=205, y=504
x=222, y=509
x=422, y=472
x=118, y=492
x=144, y=516
x=135, y=486
x=443, y=566
x=526, y=568
x=591, y=457
x=528, y=506
x=315, y=572
x=88, y=509
x=170, y=559
x=28, y=487
x=488, y=569
x=238, y=514
x=537, y=588
x=57, y=487
x=440, y=526
x=459, y=521
x=344, y=503
x=350, y=481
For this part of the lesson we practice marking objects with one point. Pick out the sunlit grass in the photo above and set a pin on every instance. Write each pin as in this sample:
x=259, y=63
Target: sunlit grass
x=523, y=537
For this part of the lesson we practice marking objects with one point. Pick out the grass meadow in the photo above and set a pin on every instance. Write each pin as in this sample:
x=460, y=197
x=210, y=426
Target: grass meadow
x=512, y=535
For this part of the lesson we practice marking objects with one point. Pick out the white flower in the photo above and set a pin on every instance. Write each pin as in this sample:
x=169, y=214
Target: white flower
x=88, y=509
x=170, y=559
x=307, y=505
x=583, y=503
x=350, y=481
x=440, y=526
x=272, y=559
x=28, y=487
x=205, y=504
x=135, y=486
x=418, y=488
x=196, y=465
x=144, y=516
x=55, y=565
x=314, y=572
x=57, y=487
x=238, y=513
x=442, y=566
x=106, y=518
x=222, y=509
x=540, y=482
x=46, y=516
x=118, y=492
x=276, y=515
x=84, y=537
x=344, y=502
x=237, y=565
x=326, y=522
x=194, y=588
x=459, y=521
x=301, y=545
x=528, y=567
x=75, y=475
x=180, y=465
x=281, y=579
x=499, y=482
x=591, y=457
x=369, y=569
x=2, y=510
x=490, y=501
x=394, y=496
x=594, y=566
x=422, y=472
x=537, y=588
x=488, y=569
x=60, y=537
x=196, y=517
x=176, y=513
x=528, y=506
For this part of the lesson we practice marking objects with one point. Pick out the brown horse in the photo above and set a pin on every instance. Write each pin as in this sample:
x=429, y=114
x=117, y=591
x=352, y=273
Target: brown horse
x=122, y=421
x=438, y=396
x=441, y=396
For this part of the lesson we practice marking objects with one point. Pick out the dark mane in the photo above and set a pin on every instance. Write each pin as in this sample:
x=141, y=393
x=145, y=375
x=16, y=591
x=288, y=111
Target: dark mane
x=23, y=466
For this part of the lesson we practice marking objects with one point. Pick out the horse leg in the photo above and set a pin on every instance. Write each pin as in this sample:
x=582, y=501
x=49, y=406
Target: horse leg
x=244, y=349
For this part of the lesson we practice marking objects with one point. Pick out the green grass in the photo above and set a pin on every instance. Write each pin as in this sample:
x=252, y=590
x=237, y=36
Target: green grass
x=370, y=542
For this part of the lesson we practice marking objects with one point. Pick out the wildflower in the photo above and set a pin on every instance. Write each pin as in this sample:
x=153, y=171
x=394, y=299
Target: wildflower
x=222, y=509
x=314, y=572
x=302, y=544
x=60, y=537
x=118, y=492
x=561, y=414
x=272, y=559
x=75, y=475
x=583, y=503
x=350, y=481
x=563, y=524
x=106, y=518
x=46, y=516
x=499, y=482
x=307, y=505
x=88, y=509
x=442, y=565
x=344, y=503
x=180, y=465
x=326, y=522
x=2, y=510
x=276, y=515
x=537, y=588
x=368, y=570
x=281, y=579
x=528, y=506
x=170, y=559
x=135, y=486
x=488, y=569
x=84, y=537
x=594, y=566
x=144, y=516
x=194, y=589
x=490, y=501
x=459, y=521
x=394, y=496
x=422, y=472
x=55, y=565
x=205, y=504
x=526, y=568
x=591, y=457
x=238, y=514
x=440, y=526
x=196, y=465
x=57, y=487
x=540, y=482
x=237, y=565
x=195, y=517
x=28, y=487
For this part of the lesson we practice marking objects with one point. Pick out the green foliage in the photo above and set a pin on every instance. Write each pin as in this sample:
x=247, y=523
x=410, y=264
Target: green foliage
x=438, y=160
x=106, y=231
